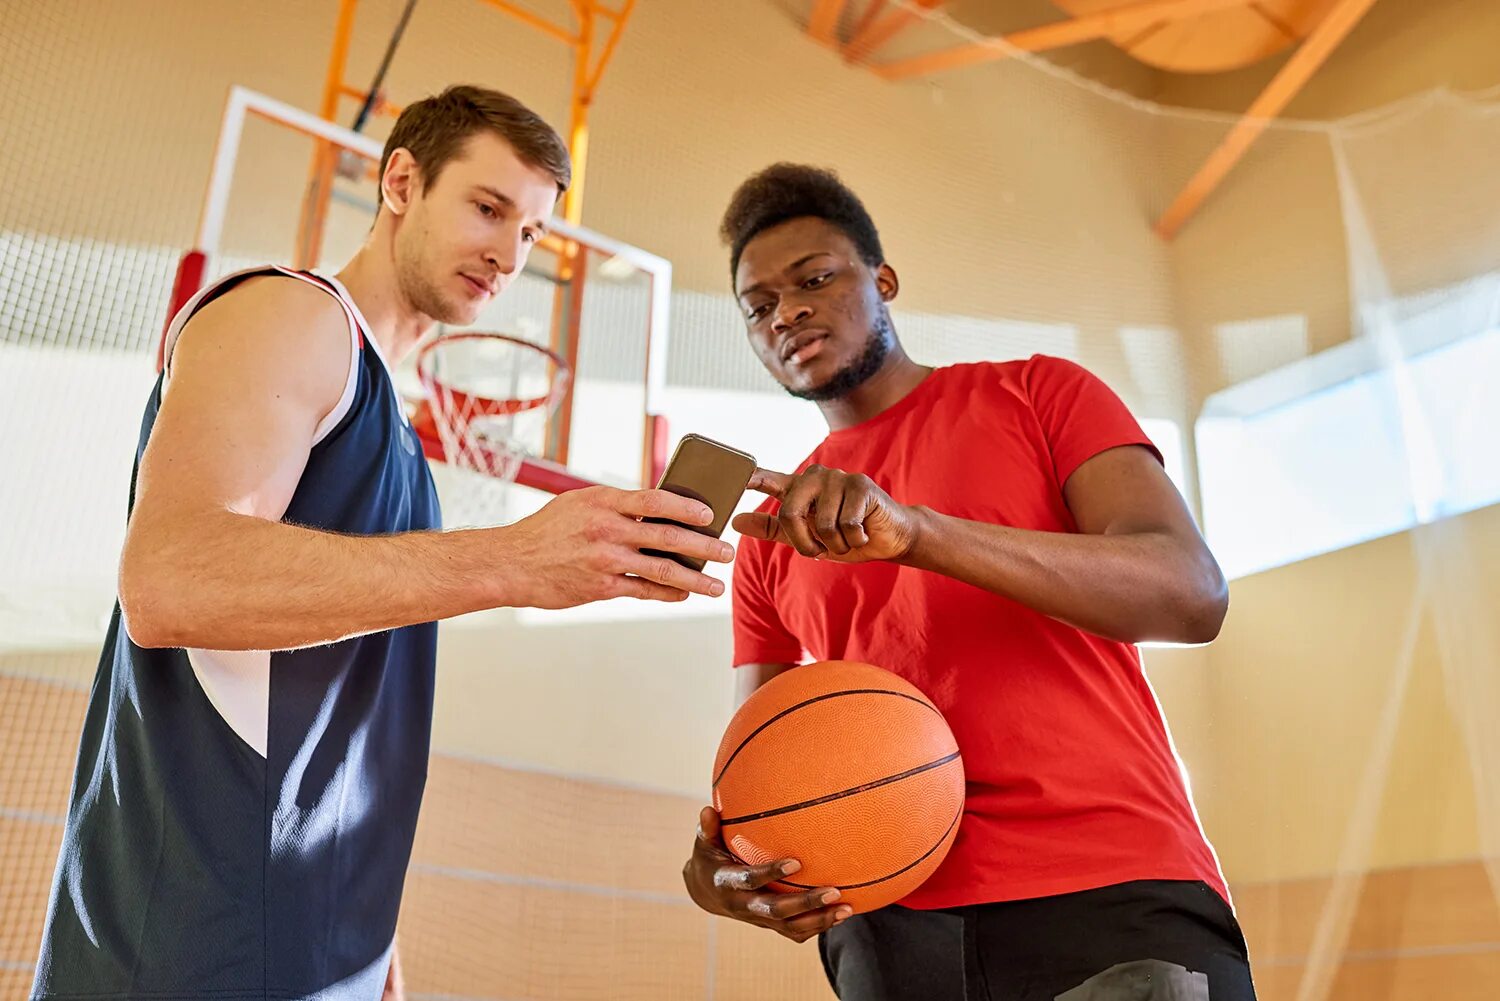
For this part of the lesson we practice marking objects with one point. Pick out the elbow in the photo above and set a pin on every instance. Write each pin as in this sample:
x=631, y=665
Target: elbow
x=145, y=607
x=1202, y=611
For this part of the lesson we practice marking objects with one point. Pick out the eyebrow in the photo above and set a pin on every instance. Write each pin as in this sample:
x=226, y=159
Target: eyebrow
x=788, y=270
x=509, y=203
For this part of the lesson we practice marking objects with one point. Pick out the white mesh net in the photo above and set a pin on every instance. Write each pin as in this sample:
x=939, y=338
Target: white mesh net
x=488, y=402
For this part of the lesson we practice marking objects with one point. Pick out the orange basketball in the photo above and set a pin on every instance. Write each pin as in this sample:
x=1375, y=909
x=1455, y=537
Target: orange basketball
x=848, y=769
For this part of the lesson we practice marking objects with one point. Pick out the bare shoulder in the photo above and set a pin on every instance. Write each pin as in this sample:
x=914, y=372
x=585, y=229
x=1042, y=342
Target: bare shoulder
x=269, y=329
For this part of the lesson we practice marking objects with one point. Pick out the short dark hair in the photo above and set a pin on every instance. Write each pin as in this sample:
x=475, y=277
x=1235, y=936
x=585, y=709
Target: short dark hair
x=435, y=129
x=785, y=191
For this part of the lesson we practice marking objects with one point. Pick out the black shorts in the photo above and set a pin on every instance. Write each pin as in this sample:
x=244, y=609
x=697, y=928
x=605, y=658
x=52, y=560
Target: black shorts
x=1152, y=940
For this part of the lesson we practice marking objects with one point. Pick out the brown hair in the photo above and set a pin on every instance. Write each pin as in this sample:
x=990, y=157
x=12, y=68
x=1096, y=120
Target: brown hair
x=435, y=129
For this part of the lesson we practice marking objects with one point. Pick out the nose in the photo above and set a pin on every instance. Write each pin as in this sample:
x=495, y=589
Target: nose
x=508, y=254
x=788, y=314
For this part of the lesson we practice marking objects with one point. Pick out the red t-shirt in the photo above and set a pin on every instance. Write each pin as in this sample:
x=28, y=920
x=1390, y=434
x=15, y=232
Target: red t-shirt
x=1073, y=782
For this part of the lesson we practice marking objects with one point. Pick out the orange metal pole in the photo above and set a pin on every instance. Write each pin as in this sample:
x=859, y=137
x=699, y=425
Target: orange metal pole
x=567, y=324
x=610, y=43
x=578, y=113
x=382, y=107
x=567, y=296
x=882, y=29
x=325, y=157
x=535, y=20
x=1284, y=86
x=825, y=21
x=873, y=10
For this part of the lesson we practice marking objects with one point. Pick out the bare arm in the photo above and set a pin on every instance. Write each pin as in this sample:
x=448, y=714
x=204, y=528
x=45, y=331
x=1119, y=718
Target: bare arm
x=208, y=563
x=1136, y=570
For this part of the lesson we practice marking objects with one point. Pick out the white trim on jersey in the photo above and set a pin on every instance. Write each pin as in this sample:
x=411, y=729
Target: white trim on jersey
x=364, y=324
x=351, y=314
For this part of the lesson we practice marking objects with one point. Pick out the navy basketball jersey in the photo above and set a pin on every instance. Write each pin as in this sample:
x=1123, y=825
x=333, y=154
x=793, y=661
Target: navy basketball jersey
x=240, y=822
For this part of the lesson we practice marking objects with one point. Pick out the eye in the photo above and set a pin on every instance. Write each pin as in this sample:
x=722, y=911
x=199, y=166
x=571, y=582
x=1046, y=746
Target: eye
x=487, y=210
x=818, y=281
x=531, y=236
x=758, y=312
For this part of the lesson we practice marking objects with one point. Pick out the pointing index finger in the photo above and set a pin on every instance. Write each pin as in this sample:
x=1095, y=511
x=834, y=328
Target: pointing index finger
x=770, y=482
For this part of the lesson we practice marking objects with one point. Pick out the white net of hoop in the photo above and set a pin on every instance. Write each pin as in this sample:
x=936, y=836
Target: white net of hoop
x=488, y=399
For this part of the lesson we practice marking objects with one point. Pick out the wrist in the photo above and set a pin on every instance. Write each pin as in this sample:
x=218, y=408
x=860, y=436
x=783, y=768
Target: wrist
x=926, y=532
x=492, y=568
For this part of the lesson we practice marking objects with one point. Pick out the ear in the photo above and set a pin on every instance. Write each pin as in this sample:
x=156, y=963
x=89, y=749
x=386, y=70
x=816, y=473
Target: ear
x=887, y=282
x=401, y=183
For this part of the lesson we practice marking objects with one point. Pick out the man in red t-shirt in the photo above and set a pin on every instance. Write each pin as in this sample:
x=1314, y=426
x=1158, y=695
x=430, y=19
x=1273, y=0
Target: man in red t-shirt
x=999, y=534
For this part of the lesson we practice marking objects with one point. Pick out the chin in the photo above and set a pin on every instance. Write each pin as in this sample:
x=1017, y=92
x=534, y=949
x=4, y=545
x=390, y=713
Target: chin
x=456, y=314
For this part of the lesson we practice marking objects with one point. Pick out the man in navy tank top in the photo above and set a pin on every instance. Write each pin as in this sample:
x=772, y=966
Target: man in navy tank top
x=255, y=747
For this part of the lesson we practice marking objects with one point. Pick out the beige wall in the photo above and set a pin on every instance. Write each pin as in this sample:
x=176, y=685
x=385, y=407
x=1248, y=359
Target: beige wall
x=1310, y=663
x=690, y=105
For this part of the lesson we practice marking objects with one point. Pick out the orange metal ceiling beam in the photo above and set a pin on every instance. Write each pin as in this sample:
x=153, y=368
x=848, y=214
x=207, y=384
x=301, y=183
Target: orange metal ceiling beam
x=1284, y=86
x=875, y=32
x=825, y=20
x=1084, y=28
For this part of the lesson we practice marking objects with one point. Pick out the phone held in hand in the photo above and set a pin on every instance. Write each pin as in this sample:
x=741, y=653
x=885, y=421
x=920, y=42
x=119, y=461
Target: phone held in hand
x=707, y=471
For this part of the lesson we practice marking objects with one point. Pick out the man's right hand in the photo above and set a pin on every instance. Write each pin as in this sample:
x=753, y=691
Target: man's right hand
x=722, y=884
x=585, y=545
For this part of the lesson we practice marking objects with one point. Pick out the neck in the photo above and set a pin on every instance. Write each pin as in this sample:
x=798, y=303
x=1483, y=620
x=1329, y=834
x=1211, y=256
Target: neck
x=883, y=390
x=370, y=277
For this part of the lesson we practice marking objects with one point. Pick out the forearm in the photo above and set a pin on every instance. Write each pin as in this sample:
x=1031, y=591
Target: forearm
x=227, y=581
x=1129, y=587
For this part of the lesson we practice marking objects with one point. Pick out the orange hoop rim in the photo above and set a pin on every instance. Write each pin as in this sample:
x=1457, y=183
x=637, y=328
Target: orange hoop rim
x=474, y=405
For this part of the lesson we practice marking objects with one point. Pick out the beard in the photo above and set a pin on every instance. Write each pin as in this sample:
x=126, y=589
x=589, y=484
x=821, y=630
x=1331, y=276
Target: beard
x=860, y=369
x=417, y=287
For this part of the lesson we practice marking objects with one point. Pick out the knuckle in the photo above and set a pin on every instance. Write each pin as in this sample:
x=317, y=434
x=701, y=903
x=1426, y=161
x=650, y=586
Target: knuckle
x=732, y=878
x=596, y=528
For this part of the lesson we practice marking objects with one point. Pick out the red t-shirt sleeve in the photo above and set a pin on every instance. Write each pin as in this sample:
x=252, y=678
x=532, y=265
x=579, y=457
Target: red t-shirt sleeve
x=759, y=635
x=1080, y=416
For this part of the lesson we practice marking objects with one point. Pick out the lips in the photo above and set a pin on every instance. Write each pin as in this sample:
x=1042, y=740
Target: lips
x=479, y=287
x=797, y=342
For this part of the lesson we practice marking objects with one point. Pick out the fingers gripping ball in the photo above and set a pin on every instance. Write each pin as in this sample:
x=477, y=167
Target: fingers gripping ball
x=850, y=770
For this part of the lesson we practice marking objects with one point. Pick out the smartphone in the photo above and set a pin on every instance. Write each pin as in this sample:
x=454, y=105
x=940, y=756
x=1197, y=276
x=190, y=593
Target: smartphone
x=706, y=471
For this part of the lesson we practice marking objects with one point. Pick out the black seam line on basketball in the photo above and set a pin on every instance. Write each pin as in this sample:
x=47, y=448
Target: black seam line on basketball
x=817, y=698
x=865, y=787
x=916, y=862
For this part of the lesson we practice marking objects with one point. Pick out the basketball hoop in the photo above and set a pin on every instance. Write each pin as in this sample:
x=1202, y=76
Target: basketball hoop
x=487, y=400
